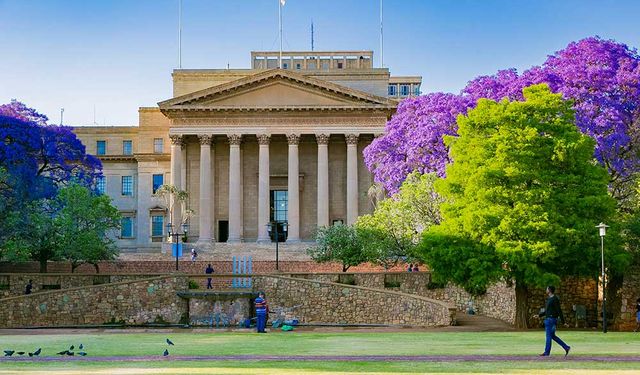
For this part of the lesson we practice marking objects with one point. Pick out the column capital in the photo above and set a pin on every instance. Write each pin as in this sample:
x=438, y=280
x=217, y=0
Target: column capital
x=293, y=139
x=263, y=139
x=235, y=139
x=205, y=139
x=322, y=139
x=177, y=139
x=352, y=139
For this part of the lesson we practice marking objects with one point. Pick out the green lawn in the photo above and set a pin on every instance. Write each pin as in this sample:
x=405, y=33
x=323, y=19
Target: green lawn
x=114, y=343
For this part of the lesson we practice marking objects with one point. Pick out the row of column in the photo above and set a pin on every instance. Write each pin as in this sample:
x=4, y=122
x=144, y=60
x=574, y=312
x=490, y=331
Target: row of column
x=235, y=188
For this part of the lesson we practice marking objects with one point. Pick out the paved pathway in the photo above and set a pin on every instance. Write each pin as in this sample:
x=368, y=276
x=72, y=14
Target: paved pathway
x=322, y=358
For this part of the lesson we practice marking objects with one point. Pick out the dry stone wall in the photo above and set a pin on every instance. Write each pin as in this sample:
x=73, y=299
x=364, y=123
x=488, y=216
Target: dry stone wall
x=131, y=302
x=314, y=301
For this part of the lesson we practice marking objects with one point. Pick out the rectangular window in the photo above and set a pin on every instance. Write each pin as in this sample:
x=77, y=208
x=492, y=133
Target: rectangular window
x=392, y=90
x=339, y=65
x=126, y=227
x=101, y=184
x=404, y=90
x=158, y=180
x=127, y=148
x=158, y=145
x=285, y=66
x=127, y=185
x=157, y=226
x=101, y=147
x=298, y=66
x=416, y=90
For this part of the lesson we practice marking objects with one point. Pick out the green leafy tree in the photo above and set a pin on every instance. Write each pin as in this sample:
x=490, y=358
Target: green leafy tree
x=73, y=226
x=522, y=198
x=85, y=221
x=338, y=243
x=394, y=229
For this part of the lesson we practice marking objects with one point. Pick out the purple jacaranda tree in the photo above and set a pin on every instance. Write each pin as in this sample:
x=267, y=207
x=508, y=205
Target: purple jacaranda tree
x=39, y=158
x=602, y=77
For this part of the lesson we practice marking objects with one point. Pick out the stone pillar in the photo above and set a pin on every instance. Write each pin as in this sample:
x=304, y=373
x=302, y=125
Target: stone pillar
x=263, y=188
x=235, y=207
x=293, y=190
x=323, y=180
x=204, y=212
x=352, y=178
x=177, y=143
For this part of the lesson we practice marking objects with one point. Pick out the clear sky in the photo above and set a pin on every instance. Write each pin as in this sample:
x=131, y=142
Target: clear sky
x=117, y=55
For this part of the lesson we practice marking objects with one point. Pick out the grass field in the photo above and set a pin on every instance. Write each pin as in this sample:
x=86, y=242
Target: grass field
x=187, y=343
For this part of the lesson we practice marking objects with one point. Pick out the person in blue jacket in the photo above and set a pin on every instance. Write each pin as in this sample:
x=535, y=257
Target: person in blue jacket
x=262, y=309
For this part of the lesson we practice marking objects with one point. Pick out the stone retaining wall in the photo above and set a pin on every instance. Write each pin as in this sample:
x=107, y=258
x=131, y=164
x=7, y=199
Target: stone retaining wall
x=131, y=302
x=629, y=293
x=327, y=302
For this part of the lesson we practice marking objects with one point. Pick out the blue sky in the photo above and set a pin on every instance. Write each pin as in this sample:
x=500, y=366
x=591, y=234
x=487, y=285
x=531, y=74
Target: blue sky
x=118, y=55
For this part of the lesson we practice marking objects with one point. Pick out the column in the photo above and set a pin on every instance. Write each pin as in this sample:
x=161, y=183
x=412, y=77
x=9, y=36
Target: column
x=235, y=222
x=204, y=212
x=352, y=178
x=177, y=143
x=323, y=180
x=263, y=188
x=293, y=190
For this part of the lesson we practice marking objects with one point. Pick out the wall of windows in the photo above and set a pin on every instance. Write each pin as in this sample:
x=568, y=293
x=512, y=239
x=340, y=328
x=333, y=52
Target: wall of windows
x=101, y=184
x=127, y=185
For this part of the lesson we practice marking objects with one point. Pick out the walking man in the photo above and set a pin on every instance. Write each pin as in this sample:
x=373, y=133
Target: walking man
x=209, y=271
x=552, y=312
x=262, y=309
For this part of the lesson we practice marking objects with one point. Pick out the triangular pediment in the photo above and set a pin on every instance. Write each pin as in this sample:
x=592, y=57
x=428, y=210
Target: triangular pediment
x=275, y=89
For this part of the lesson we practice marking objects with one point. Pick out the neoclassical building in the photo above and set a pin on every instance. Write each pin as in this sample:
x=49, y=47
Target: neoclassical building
x=251, y=146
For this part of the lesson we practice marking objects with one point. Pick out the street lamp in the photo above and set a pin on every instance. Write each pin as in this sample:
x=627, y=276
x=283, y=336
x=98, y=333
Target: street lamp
x=176, y=238
x=603, y=230
x=274, y=228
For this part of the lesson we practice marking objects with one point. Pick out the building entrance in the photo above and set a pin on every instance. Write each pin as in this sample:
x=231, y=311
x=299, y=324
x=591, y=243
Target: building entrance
x=279, y=208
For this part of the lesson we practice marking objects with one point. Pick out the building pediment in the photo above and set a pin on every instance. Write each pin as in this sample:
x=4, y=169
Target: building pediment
x=275, y=90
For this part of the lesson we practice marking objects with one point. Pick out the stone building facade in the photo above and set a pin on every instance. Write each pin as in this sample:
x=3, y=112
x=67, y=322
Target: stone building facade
x=251, y=146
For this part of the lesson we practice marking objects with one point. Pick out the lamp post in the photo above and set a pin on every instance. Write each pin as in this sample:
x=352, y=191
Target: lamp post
x=176, y=238
x=274, y=228
x=603, y=230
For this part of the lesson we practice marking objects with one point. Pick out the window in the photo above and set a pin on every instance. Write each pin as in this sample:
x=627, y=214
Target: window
x=416, y=90
x=157, y=226
x=127, y=148
x=311, y=65
x=127, y=185
x=158, y=145
x=285, y=66
x=404, y=90
x=339, y=65
x=298, y=66
x=126, y=227
x=158, y=180
x=279, y=205
x=392, y=90
x=101, y=147
x=101, y=184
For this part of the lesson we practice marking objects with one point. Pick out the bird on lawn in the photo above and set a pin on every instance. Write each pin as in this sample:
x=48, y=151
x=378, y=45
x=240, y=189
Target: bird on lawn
x=81, y=347
x=36, y=353
x=20, y=353
x=166, y=353
x=69, y=353
x=62, y=352
x=82, y=354
x=71, y=347
x=170, y=342
x=9, y=353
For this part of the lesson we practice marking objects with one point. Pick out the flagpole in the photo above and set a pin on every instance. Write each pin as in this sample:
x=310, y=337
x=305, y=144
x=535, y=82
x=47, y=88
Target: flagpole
x=179, y=34
x=381, y=39
x=280, y=26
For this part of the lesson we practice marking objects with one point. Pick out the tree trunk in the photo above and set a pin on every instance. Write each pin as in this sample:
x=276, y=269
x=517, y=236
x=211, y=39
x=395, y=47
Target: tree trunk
x=43, y=265
x=96, y=267
x=614, y=299
x=522, y=305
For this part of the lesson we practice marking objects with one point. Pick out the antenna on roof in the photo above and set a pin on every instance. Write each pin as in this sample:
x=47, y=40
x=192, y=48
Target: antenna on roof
x=381, y=39
x=61, y=116
x=94, y=115
x=312, y=34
